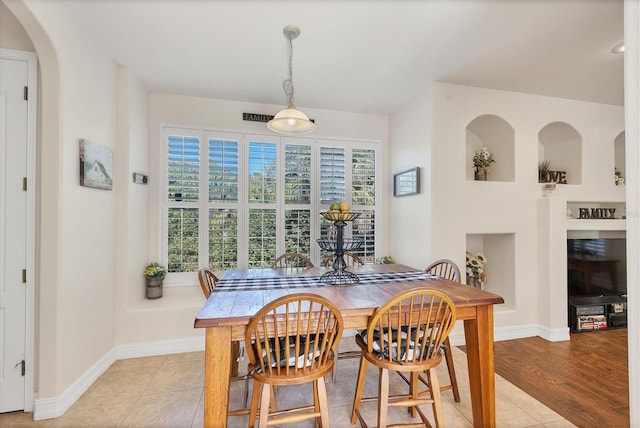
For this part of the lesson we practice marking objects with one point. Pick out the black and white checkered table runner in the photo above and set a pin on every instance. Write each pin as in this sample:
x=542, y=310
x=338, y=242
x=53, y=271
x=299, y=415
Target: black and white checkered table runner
x=311, y=281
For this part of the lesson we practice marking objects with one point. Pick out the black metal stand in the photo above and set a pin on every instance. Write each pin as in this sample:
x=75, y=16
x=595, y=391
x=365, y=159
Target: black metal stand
x=340, y=275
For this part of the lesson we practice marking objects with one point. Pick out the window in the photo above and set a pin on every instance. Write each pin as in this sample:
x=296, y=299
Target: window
x=235, y=200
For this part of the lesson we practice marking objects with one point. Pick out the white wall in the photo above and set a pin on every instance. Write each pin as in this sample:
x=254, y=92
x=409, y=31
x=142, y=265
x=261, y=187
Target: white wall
x=410, y=217
x=76, y=244
x=461, y=207
x=12, y=35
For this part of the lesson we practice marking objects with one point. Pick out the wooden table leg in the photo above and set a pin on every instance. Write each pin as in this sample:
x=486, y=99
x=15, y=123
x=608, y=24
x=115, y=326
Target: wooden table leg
x=479, y=341
x=217, y=368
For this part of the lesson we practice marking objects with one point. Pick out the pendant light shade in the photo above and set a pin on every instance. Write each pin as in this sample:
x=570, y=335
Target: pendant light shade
x=291, y=120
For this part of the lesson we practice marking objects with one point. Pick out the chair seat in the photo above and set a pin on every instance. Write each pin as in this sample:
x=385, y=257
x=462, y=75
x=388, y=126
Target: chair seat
x=285, y=353
x=404, y=351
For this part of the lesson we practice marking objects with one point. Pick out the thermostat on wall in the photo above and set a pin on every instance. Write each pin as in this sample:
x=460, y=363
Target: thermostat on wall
x=140, y=178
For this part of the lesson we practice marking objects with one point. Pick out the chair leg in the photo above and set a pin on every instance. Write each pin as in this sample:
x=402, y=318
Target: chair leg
x=438, y=412
x=362, y=375
x=255, y=397
x=272, y=401
x=322, y=402
x=264, y=405
x=413, y=391
x=334, y=370
x=448, y=357
x=383, y=398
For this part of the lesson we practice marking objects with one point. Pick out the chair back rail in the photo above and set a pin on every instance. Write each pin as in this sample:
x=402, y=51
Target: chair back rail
x=444, y=268
x=291, y=260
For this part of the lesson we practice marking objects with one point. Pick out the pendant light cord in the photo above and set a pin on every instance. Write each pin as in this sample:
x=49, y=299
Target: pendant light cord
x=287, y=85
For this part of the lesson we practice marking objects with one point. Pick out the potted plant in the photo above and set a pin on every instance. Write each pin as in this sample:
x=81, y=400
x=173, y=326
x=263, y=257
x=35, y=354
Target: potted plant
x=481, y=162
x=619, y=179
x=154, y=274
x=386, y=260
x=543, y=171
x=476, y=275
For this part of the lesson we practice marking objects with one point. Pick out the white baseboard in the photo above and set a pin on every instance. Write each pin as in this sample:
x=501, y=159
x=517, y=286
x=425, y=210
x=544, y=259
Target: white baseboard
x=163, y=347
x=48, y=408
x=553, y=335
x=517, y=332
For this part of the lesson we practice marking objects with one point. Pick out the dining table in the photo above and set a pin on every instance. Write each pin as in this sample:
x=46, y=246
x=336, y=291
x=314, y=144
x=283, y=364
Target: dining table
x=240, y=293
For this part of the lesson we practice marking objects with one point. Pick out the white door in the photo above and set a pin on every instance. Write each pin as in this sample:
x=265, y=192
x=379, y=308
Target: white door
x=15, y=232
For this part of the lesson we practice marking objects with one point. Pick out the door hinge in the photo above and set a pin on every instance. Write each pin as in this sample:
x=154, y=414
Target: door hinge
x=26, y=93
x=23, y=367
x=24, y=183
x=24, y=276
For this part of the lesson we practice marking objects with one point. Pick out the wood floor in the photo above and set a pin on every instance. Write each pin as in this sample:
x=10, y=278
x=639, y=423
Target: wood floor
x=584, y=379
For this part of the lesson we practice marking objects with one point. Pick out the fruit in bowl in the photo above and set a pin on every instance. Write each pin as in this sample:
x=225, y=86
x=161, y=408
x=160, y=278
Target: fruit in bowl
x=339, y=211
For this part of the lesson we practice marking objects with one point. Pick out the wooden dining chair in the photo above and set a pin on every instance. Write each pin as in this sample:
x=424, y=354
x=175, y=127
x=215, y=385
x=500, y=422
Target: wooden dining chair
x=350, y=259
x=291, y=341
x=404, y=335
x=445, y=268
x=291, y=260
x=208, y=281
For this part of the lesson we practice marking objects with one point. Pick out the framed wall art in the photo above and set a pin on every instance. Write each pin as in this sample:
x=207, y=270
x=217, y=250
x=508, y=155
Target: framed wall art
x=407, y=182
x=96, y=166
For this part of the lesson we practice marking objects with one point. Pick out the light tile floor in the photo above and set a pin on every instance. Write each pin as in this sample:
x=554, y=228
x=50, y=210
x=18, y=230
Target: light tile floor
x=167, y=391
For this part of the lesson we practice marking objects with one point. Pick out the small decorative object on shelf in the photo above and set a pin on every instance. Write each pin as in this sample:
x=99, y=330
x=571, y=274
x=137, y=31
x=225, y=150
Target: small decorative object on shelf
x=339, y=214
x=476, y=276
x=547, y=175
x=619, y=178
x=481, y=162
x=543, y=171
x=548, y=188
x=154, y=273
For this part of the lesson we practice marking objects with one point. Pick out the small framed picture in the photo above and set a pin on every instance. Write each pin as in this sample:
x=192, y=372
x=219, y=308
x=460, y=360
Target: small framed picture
x=407, y=182
x=96, y=166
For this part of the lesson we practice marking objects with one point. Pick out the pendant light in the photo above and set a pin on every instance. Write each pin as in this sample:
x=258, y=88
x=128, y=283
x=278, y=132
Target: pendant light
x=291, y=120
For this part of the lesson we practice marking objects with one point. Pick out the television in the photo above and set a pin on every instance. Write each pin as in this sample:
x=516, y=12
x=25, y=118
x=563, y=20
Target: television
x=596, y=267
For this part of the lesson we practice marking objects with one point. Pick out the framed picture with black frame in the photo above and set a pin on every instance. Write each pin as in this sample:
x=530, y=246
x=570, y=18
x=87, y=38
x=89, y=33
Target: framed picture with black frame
x=407, y=182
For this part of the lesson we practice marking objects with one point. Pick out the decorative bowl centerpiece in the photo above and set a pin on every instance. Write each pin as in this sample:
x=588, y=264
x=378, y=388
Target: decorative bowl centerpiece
x=340, y=213
x=331, y=245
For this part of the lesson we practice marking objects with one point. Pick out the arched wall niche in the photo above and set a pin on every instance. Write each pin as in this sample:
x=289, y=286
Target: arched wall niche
x=498, y=136
x=560, y=146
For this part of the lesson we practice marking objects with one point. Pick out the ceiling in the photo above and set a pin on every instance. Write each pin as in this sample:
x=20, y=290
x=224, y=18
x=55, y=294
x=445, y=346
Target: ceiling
x=360, y=56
